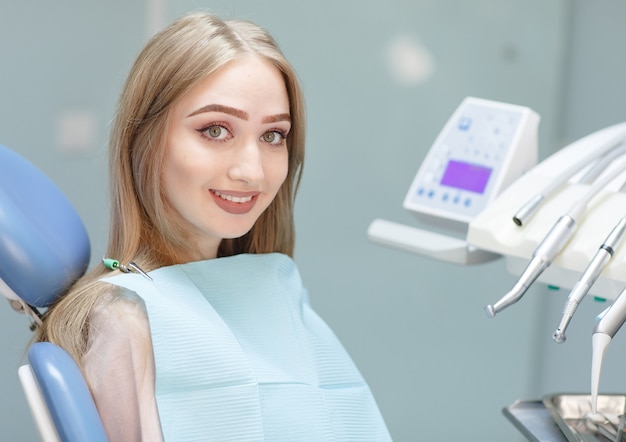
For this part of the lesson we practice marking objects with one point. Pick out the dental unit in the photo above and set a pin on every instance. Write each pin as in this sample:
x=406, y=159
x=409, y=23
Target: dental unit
x=482, y=168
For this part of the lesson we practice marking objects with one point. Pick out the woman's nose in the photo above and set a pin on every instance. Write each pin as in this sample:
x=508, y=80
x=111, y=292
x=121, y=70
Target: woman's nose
x=247, y=164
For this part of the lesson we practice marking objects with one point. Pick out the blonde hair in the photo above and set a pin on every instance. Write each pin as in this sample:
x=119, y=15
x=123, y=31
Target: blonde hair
x=141, y=227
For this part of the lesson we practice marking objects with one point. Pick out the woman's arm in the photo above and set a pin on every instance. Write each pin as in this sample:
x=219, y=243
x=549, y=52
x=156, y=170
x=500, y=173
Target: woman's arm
x=119, y=369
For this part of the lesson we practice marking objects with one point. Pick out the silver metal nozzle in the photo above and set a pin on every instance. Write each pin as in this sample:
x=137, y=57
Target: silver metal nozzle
x=558, y=336
x=528, y=210
x=573, y=301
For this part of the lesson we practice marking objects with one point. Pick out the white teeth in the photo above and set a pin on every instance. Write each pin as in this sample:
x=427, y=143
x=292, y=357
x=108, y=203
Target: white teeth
x=234, y=199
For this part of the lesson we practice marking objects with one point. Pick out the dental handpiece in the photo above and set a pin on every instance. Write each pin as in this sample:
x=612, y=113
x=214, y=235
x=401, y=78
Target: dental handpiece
x=589, y=277
x=547, y=250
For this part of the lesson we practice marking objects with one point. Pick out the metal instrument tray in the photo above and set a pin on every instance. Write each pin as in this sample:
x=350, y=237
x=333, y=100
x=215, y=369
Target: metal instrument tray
x=534, y=421
x=572, y=413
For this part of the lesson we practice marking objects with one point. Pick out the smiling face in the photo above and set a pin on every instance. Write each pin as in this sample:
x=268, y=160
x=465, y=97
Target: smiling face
x=226, y=152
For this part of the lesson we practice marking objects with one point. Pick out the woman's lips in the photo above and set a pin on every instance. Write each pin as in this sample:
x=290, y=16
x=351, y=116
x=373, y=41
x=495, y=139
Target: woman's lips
x=236, y=203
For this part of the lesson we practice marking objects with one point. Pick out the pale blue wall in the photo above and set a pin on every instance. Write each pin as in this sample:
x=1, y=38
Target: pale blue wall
x=439, y=369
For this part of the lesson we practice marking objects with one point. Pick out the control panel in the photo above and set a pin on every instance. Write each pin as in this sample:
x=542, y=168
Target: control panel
x=484, y=146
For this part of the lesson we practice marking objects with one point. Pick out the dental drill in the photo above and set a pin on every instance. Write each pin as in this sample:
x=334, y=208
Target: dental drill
x=547, y=250
x=589, y=277
x=553, y=243
x=530, y=207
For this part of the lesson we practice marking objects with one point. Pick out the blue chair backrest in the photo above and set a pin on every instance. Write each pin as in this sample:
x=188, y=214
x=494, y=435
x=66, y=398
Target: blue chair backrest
x=44, y=249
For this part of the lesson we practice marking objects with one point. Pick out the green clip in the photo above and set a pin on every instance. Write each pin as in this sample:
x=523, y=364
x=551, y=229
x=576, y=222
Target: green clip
x=111, y=263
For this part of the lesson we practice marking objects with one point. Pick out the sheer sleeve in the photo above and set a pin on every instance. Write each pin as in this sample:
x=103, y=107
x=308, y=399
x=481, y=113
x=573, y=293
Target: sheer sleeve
x=119, y=368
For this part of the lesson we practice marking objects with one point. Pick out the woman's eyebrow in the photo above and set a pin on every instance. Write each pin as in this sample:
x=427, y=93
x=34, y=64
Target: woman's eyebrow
x=238, y=113
x=220, y=108
x=276, y=118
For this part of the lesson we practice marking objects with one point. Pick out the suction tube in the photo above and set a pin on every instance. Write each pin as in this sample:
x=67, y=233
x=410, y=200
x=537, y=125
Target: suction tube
x=526, y=212
x=615, y=316
x=611, y=320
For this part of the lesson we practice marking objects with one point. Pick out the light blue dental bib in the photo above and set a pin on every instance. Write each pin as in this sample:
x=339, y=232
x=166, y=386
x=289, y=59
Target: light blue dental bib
x=241, y=356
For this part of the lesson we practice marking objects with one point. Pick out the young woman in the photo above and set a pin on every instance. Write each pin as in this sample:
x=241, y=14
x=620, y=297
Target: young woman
x=200, y=329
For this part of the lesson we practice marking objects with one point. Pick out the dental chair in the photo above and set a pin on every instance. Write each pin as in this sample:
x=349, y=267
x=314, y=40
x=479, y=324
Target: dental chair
x=44, y=248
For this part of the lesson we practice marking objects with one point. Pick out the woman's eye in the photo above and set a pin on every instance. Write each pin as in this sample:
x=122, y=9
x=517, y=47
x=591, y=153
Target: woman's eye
x=215, y=132
x=273, y=137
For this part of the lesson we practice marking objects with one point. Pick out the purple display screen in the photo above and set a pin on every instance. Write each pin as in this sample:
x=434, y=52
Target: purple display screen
x=466, y=176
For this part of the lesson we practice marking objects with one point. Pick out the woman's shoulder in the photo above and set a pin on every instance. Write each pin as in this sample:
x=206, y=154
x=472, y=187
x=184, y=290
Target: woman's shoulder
x=119, y=345
x=118, y=307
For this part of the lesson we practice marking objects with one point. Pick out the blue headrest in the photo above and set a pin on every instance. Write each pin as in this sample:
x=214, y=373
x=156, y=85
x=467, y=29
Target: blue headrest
x=44, y=246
